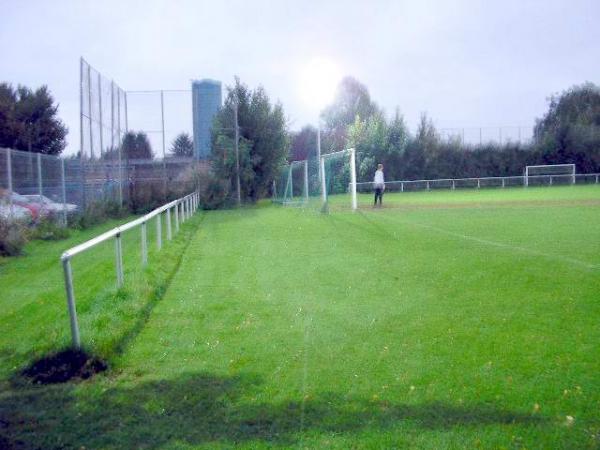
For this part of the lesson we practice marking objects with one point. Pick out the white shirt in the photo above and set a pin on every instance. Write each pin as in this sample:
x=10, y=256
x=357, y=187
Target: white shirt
x=378, y=181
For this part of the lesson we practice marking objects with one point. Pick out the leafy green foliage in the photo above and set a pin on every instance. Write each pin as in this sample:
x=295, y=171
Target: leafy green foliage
x=29, y=120
x=570, y=131
x=136, y=146
x=13, y=237
x=263, y=144
x=182, y=146
x=303, y=144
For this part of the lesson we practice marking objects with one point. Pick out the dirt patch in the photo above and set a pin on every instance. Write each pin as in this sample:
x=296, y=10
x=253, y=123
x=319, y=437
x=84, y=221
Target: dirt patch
x=64, y=366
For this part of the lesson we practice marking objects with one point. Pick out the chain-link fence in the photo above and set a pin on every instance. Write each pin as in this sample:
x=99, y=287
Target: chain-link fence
x=33, y=185
x=162, y=115
x=488, y=135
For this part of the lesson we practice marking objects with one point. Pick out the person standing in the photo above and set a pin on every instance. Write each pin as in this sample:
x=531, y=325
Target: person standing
x=379, y=184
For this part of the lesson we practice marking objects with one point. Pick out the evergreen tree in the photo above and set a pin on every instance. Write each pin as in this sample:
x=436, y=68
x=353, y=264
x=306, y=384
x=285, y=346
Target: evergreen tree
x=182, y=146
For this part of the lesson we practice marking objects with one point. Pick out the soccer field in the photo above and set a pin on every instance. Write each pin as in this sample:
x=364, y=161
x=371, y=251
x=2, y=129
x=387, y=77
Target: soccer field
x=452, y=319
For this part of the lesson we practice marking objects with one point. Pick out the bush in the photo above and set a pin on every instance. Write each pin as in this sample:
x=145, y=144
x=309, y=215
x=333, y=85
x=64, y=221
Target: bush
x=49, y=230
x=13, y=237
x=97, y=212
x=215, y=193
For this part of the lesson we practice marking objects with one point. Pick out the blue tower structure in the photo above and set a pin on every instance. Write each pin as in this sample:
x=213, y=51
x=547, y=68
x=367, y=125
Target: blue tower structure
x=206, y=101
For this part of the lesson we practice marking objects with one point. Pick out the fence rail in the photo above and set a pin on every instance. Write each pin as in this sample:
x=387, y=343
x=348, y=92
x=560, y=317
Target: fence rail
x=182, y=208
x=484, y=182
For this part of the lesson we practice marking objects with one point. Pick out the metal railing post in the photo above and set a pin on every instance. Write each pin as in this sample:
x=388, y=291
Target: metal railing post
x=169, y=235
x=158, y=231
x=453, y=185
x=402, y=186
x=428, y=185
x=75, y=338
x=503, y=181
x=176, y=216
x=119, y=259
x=144, y=244
x=478, y=183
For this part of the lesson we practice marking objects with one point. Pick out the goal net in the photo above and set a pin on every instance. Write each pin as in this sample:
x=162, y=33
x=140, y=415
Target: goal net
x=549, y=174
x=291, y=186
x=324, y=183
x=338, y=180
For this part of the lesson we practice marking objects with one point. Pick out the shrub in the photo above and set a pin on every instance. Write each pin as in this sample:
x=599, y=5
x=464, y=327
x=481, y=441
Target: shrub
x=48, y=230
x=13, y=237
x=215, y=193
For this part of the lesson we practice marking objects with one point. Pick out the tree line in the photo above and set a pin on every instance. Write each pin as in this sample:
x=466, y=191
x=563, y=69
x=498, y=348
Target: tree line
x=569, y=132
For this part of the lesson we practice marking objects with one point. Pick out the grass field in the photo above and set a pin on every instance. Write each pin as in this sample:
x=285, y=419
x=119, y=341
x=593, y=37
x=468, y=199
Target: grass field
x=443, y=320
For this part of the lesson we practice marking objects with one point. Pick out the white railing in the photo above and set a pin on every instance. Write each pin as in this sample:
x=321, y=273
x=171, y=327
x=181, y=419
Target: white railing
x=482, y=182
x=183, y=208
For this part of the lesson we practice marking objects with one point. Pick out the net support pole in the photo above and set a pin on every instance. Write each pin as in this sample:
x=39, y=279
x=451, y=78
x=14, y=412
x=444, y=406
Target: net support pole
x=68, y=273
x=353, y=178
x=322, y=177
x=306, y=180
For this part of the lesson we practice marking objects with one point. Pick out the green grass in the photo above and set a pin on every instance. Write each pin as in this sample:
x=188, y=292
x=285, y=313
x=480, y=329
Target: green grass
x=444, y=320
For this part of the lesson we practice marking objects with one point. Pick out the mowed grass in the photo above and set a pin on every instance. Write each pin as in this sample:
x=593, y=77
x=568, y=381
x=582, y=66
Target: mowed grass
x=444, y=320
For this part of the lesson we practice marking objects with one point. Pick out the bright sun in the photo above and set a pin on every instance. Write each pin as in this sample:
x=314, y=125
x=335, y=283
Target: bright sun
x=318, y=81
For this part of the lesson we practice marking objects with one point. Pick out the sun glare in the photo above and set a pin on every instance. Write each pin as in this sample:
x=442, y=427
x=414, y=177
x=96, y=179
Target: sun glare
x=318, y=81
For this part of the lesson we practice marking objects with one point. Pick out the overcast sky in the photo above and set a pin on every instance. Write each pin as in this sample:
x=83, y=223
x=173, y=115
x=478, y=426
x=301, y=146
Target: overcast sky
x=466, y=63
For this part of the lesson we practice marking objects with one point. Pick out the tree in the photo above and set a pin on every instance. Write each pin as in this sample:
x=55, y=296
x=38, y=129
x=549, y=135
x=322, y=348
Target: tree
x=263, y=144
x=352, y=99
x=303, y=143
x=29, y=122
x=136, y=146
x=182, y=146
x=570, y=131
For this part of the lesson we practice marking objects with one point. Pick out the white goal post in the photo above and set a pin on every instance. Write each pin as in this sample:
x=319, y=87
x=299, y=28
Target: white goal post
x=351, y=152
x=550, y=170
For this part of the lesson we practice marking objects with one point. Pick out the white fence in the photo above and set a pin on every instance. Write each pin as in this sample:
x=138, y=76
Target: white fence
x=483, y=182
x=182, y=209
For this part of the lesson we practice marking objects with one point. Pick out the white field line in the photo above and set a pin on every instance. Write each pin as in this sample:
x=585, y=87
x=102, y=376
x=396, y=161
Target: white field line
x=529, y=251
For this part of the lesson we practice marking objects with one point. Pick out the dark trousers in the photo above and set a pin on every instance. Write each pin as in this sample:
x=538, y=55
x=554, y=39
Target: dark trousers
x=378, y=195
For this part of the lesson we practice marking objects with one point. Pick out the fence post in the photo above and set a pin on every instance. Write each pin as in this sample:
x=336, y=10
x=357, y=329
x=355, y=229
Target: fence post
x=550, y=180
x=176, y=216
x=158, y=232
x=10, y=186
x=64, y=190
x=169, y=235
x=402, y=186
x=71, y=302
x=39, y=170
x=119, y=259
x=453, y=185
x=503, y=181
x=144, y=244
x=427, y=185
x=323, y=182
x=478, y=183
x=596, y=179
